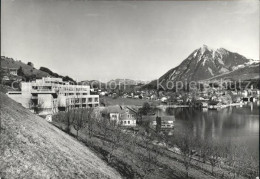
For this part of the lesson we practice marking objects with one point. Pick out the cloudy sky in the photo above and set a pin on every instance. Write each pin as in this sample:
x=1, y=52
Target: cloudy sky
x=105, y=40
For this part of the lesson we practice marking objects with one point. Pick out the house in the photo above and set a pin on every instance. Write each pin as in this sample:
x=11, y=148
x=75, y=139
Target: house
x=204, y=104
x=214, y=104
x=255, y=92
x=102, y=93
x=124, y=116
x=245, y=93
x=128, y=118
x=153, y=97
x=10, y=71
x=136, y=96
x=160, y=122
x=5, y=78
x=164, y=99
x=13, y=71
x=50, y=95
x=167, y=122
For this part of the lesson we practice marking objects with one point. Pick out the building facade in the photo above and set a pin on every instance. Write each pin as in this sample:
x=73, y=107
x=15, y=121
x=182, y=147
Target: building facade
x=123, y=115
x=50, y=95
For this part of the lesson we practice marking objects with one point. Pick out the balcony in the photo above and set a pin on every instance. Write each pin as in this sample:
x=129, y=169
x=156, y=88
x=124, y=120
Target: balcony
x=46, y=91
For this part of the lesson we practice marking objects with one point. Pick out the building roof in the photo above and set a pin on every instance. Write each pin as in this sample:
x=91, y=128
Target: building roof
x=115, y=109
x=163, y=118
x=214, y=102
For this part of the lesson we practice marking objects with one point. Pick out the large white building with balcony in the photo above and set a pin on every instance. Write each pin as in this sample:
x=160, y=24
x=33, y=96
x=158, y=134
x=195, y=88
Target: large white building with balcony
x=49, y=95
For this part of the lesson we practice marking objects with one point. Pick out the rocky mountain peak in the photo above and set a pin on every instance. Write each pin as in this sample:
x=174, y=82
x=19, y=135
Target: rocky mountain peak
x=206, y=62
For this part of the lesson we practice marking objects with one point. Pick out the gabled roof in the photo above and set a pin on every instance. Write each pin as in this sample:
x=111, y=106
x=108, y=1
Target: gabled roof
x=131, y=108
x=115, y=109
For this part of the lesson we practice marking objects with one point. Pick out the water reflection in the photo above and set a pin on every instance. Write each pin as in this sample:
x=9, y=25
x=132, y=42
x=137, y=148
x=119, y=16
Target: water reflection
x=238, y=124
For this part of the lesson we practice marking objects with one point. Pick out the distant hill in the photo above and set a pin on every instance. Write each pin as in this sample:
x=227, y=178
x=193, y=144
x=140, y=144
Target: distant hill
x=207, y=63
x=29, y=71
x=30, y=147
x=94, y=84
x=127, y=82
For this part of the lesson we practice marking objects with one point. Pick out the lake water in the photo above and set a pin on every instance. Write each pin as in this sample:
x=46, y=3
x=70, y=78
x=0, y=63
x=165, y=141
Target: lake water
x=238, y=124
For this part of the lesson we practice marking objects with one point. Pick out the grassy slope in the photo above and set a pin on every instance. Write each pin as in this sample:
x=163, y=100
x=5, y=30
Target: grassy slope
x=249, y=72
x=30, y=147
x=28, y=70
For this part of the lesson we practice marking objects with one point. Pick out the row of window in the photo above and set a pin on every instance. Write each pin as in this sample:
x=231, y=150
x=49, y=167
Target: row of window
x=83, y=100
x=127, y=122
x=70, y=94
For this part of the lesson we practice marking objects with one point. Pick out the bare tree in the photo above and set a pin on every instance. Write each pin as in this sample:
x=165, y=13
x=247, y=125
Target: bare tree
x=214, y=154
x=89, y=115
x=79, y=121
x=115, y=139
x=150, y=155
x=67, y=117
x=186, y=143
x=103, y=125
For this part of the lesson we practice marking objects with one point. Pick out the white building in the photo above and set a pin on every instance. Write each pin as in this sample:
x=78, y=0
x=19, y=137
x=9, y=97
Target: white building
x=123, y=115
x=52, y=94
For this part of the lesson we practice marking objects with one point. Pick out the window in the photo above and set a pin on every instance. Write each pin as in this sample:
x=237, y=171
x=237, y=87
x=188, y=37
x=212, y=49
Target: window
x=128, y=116
x=113, y=116
x=128, y=122
x=132, y=116
x=124, y=122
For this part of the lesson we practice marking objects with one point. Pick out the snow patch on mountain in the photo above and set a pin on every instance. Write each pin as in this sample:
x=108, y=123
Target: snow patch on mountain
x=173, y=73
x=213, y=54
x=223, y=70
x=204, y=60
x=221, y=61
x=194, y=55
x=210, y=70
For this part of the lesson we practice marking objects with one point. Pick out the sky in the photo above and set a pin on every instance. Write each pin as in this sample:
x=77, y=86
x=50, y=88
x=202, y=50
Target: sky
x=138, y=40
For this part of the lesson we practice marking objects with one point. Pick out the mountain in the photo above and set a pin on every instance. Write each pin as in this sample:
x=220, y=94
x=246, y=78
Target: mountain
x=205, y=63
x=30, y=147
x=248, y=72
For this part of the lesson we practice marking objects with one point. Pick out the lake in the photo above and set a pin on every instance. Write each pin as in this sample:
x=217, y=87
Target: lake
x=239, y=124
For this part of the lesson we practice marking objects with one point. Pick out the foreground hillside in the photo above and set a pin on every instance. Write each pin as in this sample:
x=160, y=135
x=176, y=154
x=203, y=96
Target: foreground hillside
x=32, y=148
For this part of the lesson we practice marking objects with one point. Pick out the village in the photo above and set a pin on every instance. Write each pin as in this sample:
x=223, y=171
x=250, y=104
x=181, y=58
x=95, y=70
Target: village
x=48, y=95
x=127, y=89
